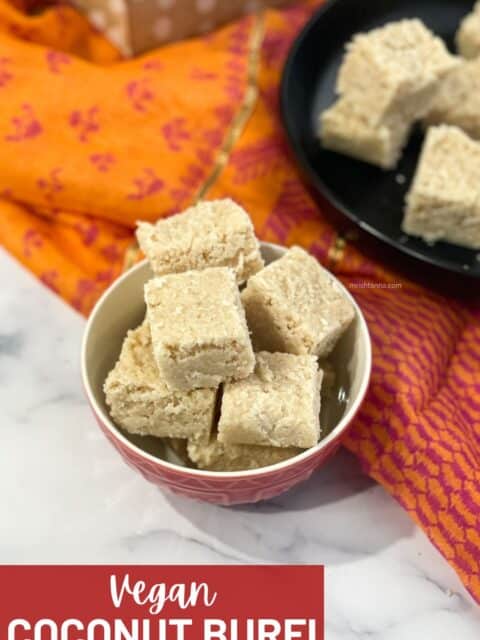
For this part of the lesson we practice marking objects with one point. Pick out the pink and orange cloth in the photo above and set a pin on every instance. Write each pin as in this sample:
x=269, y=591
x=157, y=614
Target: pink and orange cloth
x=90, y=143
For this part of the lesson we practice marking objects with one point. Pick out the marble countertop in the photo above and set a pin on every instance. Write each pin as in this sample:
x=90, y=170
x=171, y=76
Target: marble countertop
x=71, y=499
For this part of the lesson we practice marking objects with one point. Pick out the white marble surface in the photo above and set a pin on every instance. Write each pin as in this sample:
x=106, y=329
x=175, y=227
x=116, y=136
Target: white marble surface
x=66, y=496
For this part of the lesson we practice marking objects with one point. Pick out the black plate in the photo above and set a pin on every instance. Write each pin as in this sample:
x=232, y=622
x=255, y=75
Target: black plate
x=368, y=196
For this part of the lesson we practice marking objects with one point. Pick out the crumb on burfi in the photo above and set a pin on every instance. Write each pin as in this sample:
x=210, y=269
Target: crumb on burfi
x=142, y=403
x=457, y=101
x=386, y=82
x=216, y=233
x=296, y=306
x=199, y=332
x=278, y=405
x=217, y=456
x=443, y=202
x=468, y=34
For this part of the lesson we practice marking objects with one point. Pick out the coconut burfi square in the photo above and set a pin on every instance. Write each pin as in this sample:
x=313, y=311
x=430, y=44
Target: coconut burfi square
x=468, y=34
x=443, y=202
x=346, y=131
x=295, y=306
x=217, y=456
x=389, y=67
x=141, y=402
x=199, y=332
x=386, y=82
x=278, y=405
x=457, y=102
x=217, y=233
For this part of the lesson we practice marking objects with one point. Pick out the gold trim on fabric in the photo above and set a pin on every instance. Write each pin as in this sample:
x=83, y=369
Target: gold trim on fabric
x=245, y=110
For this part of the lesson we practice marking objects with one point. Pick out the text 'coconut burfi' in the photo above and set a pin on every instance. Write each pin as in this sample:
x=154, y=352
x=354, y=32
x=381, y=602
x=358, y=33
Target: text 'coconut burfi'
x=386, y=82
x=457, y=101
x=278, y=405
x=294, y=306
x=217, y=233
x=468, y=34
x=444, y=200
x=141, y=402
x=199, y=332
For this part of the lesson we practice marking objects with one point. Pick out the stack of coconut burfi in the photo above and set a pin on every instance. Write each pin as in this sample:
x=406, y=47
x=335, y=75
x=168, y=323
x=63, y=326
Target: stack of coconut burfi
x=394, y=76
x=386, y=83
x=233, y=374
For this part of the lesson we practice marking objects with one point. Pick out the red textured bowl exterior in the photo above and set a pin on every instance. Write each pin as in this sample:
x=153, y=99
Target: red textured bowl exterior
x=215, y=487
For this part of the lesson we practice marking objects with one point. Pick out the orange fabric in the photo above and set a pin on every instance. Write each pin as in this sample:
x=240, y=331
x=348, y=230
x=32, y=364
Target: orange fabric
x=89, y=144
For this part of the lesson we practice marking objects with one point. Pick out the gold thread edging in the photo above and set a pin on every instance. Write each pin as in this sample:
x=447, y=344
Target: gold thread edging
x=246, y=109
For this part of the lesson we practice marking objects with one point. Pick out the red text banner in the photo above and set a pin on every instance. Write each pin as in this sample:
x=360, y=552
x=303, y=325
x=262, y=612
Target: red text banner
x=162, y=602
